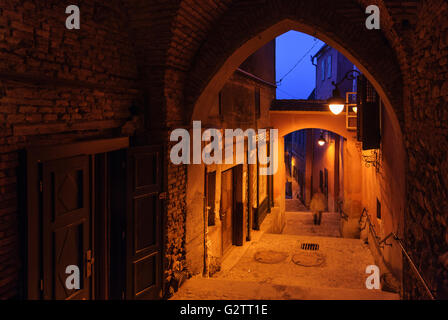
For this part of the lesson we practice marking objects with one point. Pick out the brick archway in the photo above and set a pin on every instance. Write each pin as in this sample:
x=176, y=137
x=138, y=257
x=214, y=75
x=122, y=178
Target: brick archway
x=245, y=28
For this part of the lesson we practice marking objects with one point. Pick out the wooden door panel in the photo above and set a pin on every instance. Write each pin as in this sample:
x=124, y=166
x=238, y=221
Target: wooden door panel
x=227, y=209
x=145, y=275
x=144, y=221
x=210, y=196
x=66, y=225
x=69, y=250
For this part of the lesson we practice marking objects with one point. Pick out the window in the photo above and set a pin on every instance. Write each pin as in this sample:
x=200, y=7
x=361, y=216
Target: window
x=329, y=67
x=257, y=103
x=323, y=70
x=378, y=209
x=220, y=111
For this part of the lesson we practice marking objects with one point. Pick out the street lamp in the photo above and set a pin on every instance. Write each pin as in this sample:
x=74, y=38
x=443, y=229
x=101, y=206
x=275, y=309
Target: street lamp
x=336, y=102
x=321, y=140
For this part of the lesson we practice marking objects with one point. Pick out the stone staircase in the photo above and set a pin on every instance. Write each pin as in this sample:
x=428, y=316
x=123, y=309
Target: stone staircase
x=270, y=266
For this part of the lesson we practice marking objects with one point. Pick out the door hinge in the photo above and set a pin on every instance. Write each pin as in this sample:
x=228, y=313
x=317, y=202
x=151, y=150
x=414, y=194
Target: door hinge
x=41, y=186
x=162, y=196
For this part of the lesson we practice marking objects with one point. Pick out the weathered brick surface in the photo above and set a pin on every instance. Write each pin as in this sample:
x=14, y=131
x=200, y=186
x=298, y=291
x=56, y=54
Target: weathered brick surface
x=426, y=140
x=176, y=181
x=56, y=86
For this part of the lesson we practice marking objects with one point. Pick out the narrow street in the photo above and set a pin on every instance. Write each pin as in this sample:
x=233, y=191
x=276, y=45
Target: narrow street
x=279, y=266
x=299, y=221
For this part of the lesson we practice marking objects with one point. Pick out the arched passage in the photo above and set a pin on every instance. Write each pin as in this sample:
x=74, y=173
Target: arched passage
x=227, y=47
x=290, y=121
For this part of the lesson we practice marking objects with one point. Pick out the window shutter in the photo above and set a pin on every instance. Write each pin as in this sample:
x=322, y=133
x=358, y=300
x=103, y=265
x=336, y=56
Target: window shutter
x=369, y=127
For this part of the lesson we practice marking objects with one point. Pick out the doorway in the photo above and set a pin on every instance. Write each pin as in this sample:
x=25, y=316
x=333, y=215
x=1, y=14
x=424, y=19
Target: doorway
x=227, y=209
x=96, y=206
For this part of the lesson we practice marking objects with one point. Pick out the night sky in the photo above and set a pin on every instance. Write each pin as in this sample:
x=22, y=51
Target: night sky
x=291, y=47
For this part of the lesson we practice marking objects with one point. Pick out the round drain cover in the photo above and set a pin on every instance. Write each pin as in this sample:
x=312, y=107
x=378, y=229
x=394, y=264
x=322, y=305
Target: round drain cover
x=308, y=259
x=270, y=256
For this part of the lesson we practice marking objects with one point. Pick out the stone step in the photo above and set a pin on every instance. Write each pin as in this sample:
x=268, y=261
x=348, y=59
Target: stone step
x=216, y=289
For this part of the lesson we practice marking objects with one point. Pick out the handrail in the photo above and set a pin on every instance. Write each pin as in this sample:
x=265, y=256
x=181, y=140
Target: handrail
x=403, y=249
x=341, y=211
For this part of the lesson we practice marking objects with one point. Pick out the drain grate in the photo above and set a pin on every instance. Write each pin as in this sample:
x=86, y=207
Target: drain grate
x=310, y=246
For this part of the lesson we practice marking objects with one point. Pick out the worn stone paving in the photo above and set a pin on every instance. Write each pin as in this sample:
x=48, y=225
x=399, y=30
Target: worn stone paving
x=217, y=289
x=344, y=265
x=301, y=223
x=340, y=276
x=294, y=205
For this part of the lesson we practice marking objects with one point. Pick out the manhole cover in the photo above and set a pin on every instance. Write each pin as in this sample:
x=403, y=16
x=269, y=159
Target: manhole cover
x=308, y=259
x=270, y=256
x=310, y=246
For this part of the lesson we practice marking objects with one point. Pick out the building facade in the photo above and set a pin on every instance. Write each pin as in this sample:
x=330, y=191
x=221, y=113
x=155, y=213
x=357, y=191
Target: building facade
x=237, y=197
x=331, y=66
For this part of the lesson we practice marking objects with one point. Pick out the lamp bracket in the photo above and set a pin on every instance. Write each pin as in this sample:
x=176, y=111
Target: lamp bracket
x=350, y=75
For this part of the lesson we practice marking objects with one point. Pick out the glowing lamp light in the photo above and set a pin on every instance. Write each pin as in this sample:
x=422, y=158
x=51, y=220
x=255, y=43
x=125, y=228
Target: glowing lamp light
x=336, y=108
x=321, y=140
x=336, y=102
x=355, y=109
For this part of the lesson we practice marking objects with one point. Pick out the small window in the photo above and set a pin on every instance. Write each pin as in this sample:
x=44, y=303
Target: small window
x=323, y=70
x=329, y=67
x=378, y=209
x=257, y=103
x=220, y=111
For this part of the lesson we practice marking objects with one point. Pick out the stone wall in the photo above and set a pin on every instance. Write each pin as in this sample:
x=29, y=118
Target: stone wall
x=427, y=146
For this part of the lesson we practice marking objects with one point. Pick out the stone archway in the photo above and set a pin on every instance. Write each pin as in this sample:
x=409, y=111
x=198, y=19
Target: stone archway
x=193, y=39
x=246, y=28
x=227, y=47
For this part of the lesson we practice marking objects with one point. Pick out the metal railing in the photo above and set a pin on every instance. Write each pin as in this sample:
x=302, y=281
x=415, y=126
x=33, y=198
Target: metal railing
x=340, y=210
x=394, y=236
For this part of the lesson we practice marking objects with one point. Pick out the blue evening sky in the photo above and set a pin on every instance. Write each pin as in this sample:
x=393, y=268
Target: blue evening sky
x=290, y=48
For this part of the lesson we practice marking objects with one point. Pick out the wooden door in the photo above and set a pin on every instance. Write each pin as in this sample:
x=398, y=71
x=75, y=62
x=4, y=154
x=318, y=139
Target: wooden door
x=65, y=192
x=326, y=186
x=226, y=209
x=143, y=223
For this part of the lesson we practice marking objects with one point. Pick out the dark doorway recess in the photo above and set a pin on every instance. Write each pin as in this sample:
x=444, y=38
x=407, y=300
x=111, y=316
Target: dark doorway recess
x=227, y=209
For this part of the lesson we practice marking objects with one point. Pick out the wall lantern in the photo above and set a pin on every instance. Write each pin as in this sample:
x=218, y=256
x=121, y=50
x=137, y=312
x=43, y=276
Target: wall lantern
x=321, y=140
x=336, y=102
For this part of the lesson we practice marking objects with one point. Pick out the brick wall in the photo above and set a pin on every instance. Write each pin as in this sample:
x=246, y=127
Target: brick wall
x=427, y=145
x=56, y=86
